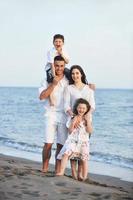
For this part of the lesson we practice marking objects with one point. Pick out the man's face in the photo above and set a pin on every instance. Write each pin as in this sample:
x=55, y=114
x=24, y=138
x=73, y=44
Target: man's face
x=59, y=67
x=58, y=43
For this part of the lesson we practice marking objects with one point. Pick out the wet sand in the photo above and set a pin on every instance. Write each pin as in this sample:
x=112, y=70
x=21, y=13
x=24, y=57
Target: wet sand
x=22, y=179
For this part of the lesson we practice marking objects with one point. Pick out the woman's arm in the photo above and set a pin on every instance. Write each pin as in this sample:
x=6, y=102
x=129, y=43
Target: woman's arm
x=75, y=123
x=89, y=127
x=88, y=123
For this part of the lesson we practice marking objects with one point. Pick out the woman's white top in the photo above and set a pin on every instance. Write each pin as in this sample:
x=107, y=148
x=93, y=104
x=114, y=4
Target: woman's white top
x=72, y=93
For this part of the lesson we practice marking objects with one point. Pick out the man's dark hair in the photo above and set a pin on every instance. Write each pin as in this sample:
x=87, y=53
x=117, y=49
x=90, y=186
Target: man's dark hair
x=81, y=101
x=58, y=36
x=58, y=58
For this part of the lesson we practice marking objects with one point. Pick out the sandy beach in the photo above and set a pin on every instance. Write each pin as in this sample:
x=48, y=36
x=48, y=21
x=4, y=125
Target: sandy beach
x=22, y=179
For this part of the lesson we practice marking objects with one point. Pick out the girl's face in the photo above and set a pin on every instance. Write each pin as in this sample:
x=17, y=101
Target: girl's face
x=76, y=75
x=81, y=109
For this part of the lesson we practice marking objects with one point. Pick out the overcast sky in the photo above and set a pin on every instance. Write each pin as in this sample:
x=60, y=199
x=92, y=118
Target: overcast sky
x=98, y=36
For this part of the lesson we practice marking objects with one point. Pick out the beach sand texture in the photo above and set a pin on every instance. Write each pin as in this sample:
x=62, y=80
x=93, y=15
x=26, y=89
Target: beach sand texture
x=22, y=179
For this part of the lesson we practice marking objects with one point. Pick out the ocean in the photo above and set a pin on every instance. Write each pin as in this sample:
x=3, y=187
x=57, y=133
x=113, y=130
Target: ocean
x=111, y=144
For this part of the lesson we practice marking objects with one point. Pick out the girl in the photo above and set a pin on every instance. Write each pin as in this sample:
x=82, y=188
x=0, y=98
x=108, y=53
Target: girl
x=77, y=144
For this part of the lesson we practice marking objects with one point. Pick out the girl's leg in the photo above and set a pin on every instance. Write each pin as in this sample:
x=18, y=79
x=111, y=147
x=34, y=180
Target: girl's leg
x=85, y=169
x=63, y=165
x=73, y=168
x=80, y=170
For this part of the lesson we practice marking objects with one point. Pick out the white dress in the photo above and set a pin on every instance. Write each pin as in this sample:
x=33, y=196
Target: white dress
x=76, y=145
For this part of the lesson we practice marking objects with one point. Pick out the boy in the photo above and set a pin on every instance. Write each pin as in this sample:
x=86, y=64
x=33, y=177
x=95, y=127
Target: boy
x=57, y=50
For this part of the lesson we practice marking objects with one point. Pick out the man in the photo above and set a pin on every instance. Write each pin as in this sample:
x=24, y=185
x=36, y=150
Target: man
x=55, y=117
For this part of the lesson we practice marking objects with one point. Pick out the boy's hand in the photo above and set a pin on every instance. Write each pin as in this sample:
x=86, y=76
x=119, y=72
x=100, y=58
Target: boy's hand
x=59, y=51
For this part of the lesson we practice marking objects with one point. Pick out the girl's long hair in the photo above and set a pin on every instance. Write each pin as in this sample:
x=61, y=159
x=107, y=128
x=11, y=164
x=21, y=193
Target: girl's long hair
x=82, y=101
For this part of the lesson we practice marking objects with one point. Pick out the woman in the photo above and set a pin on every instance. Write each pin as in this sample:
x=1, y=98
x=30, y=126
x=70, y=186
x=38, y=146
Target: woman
x=77, y=88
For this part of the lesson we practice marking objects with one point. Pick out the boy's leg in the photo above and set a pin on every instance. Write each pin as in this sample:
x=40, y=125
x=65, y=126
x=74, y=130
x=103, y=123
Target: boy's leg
x=73, y=168
x=49, y=75
x=63, y=165
x=46, y=154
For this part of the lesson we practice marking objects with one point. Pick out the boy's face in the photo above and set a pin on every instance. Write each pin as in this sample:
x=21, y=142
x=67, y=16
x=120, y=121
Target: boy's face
x=58, y=43
x=82, y=108
x=59, y=67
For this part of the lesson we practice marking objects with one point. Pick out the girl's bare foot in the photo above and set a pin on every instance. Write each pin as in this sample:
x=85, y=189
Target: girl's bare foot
x=59, y=174
x=74, y=177
x=44, y=170
x=80, y=178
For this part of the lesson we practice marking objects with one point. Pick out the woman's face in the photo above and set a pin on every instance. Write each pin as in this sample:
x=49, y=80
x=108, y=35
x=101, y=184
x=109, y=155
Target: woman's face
x=76, y=75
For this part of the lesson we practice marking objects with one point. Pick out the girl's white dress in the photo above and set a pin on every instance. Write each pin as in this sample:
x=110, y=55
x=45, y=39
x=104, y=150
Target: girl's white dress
x=77, y=144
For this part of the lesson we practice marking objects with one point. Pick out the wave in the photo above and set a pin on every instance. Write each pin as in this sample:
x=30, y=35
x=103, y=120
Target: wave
x=20, y=145
x=95, y=156
x=112, y=159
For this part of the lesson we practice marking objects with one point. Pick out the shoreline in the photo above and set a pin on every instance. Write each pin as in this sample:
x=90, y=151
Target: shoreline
x=22, y=178
x=95, y=167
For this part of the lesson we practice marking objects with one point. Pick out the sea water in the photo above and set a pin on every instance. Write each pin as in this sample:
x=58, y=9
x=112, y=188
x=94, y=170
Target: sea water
x=111, y=144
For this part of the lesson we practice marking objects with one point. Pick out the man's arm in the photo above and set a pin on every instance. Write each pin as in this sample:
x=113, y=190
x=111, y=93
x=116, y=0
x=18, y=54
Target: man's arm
x=92, y=86
x=46, y=93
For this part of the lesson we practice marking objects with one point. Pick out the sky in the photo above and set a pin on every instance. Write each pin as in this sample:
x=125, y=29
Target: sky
x=98, y=37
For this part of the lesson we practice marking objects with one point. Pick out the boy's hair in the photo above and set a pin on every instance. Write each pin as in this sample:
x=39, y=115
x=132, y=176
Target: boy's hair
x=58, y=36
x=81, y=101
x=58, y=58
x=83, y=76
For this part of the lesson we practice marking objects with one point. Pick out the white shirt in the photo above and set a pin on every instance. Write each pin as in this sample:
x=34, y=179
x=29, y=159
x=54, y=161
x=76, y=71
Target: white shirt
x=52, y=53
x=56, y=111
x=72, y=93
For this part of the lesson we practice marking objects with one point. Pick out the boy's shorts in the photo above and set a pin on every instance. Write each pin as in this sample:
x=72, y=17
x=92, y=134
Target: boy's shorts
x=55, y=132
